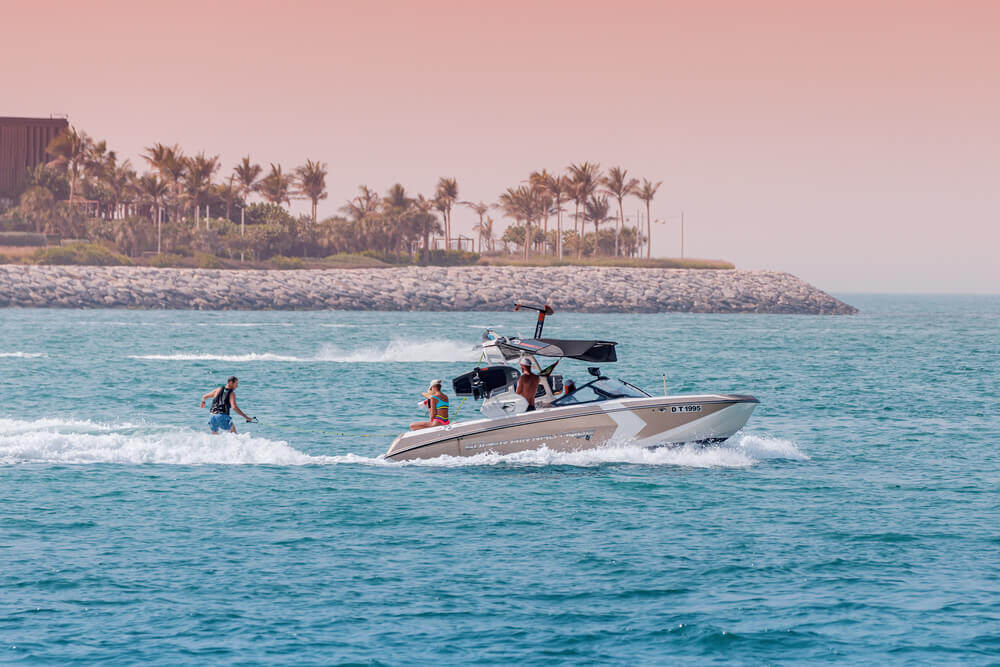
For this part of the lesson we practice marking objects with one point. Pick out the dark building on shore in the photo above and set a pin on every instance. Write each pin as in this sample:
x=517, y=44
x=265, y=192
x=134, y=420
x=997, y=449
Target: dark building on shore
x=22, y=147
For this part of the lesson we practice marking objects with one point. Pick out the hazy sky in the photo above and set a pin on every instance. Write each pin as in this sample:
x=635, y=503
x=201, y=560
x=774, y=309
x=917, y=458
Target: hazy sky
x=856, y=144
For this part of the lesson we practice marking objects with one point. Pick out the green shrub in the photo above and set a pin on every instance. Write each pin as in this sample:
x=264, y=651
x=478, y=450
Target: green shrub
x=282, y=262
x=89, y=254
x=449, y=257
x=22, y=239
x=205, y=260
x=166, y=260
x=435, y=257
x=629, y=262
x=4, y=259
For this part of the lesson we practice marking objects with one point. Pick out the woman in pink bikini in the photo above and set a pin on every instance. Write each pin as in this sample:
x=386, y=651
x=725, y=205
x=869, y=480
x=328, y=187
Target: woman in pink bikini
x=437, y=406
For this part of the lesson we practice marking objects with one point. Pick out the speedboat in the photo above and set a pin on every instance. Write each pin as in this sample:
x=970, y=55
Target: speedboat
x=565, y=418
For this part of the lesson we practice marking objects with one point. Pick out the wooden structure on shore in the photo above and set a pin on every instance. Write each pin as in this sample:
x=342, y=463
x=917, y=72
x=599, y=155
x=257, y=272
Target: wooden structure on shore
x=22, y=147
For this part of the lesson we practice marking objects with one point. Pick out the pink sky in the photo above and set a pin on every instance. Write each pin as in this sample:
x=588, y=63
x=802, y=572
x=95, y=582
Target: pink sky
x=856, y=144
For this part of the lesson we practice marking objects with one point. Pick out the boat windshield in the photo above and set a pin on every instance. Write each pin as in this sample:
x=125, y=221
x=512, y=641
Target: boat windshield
x=603, y=389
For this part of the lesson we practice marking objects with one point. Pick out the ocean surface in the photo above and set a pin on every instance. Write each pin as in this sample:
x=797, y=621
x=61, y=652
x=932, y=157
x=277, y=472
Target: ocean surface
x=855, y=520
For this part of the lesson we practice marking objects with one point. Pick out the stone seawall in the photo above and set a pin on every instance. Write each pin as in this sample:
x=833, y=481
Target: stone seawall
x=571, y=289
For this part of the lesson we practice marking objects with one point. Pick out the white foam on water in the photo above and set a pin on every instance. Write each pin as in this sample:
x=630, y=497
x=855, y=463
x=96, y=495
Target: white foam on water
x=246, y=324
x=404, y=351
x=84, y=442
x=762, y=448
x=740, y=451
x=182, y=356
x=22, y=355
x=396, y=351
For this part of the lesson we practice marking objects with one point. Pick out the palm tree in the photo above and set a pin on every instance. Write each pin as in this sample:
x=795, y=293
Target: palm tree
x=485, y=231
x=197, y=178
x=522, y=204
x=425, y=222
x=395, y=206
x=70, y=149
x=646, y=192
x=312, y=182
x=596, y=210
x=540, y=183
x=479, y=208
x=557, y=188
x=229, y=192
x=276, y=187
x=619, y=185
x=154, y=191
x=171, y=164
x=100, y=164
x=247, y=173
x=583, y=178
x=120, y=179
x=447, y=194
x=363, y=205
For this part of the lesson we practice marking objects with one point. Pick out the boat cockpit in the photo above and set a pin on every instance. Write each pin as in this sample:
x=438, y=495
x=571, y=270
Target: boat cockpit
x=601, y=389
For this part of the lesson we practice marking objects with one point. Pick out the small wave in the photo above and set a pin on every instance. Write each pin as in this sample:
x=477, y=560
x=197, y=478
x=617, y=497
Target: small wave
x=739, y=452
x=246, y=324
x=234, y=358
x=22, y=355
x=84, y=442
x=396, y=351
x=761, y=448
x=404, y=351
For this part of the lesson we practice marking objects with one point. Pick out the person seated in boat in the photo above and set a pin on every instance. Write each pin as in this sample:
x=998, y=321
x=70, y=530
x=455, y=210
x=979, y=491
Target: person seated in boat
x=569, y=387
x=527, y=384
x=437, y=406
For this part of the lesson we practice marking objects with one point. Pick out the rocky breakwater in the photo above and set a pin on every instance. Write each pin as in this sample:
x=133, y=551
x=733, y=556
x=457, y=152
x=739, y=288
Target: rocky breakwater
x=579, y=289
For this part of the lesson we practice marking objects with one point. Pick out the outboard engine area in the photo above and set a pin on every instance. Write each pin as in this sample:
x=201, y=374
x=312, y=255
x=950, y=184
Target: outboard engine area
x=485, y=382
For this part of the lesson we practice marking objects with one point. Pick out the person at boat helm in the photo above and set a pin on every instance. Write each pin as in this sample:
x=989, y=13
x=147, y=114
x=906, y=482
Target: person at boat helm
x=223, y=399
x=569, y=387
x=437, y=406
x=527, y=384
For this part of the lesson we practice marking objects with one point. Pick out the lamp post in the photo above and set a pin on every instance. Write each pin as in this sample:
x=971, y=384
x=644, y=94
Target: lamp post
x=682, y=234
x=243, y=228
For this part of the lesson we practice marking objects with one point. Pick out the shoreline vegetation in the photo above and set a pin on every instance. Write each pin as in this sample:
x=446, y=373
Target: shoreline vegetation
x=186, y=210
x=92, y=254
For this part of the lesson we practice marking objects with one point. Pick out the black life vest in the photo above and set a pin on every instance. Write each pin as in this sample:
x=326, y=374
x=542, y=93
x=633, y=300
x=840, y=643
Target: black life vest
x=220, y=404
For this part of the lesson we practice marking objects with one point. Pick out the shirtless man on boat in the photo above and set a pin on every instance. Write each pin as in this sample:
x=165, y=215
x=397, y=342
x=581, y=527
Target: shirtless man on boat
x=527, y=384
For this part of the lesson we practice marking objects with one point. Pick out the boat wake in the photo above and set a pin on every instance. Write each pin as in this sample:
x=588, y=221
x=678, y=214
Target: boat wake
x=397, y=351
x=22, y=355
x=740, y=451
x=83, y=442
x=48, y=441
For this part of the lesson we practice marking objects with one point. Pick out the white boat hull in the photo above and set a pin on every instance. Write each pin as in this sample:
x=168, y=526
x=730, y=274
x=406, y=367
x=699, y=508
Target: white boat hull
x=647, y=422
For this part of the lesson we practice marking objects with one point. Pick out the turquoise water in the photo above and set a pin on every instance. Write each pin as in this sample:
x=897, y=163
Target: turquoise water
x=855, y=520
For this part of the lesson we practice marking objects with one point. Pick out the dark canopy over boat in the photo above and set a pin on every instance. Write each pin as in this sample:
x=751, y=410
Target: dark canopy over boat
x=596, y=351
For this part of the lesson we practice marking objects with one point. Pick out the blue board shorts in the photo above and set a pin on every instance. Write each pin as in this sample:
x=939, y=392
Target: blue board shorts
x=217, y=422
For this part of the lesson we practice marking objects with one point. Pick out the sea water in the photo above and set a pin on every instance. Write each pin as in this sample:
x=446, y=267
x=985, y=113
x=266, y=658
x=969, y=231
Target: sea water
x=855, y=519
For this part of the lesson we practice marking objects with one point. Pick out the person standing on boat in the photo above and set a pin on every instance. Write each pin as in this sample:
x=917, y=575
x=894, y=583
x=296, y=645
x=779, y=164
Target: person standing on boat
x=223, y=400
x=437, y=406
x=527, y=384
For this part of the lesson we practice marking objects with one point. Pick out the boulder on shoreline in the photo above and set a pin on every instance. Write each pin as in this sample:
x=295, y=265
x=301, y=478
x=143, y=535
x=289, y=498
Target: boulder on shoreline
x=585, y=289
